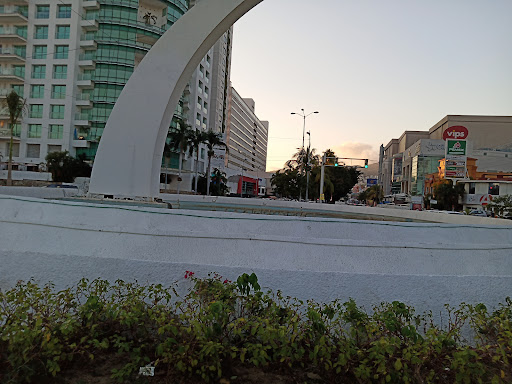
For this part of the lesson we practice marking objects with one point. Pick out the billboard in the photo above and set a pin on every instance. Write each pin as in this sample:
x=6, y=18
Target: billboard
x=371, y=182
x=456, y=147
x=456, y=159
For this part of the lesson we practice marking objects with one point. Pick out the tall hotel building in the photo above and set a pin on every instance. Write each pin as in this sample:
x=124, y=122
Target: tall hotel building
x=70, y=60
x=247, y=135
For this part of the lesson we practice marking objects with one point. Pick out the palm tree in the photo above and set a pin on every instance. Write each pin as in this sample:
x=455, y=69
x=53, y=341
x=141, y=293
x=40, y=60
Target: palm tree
x=197, y=138
x=180, y=141
x=304, y=158
x=212, y=139
x=16, y=106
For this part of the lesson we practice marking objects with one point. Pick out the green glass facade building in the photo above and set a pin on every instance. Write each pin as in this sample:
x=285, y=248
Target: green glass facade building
x=121, y=33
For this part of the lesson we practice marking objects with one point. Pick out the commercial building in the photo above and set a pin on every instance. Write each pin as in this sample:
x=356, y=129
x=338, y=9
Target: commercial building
x=406, y=162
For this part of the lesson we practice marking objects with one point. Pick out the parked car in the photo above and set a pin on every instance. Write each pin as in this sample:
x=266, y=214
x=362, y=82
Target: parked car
x=478, y=212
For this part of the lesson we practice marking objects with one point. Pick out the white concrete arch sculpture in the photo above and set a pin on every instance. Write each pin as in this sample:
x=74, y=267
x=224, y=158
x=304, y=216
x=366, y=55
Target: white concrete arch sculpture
x=129, y=155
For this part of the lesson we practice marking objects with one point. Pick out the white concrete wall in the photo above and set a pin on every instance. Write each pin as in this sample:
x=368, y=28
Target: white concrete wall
x=39, y=192
x=364, y=212
x=426, y=265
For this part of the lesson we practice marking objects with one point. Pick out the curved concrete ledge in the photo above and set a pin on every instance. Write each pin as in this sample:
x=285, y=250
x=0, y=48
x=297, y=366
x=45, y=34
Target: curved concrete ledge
x=426, y=265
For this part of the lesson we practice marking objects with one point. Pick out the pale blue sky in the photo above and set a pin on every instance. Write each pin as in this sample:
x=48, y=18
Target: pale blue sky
x=372, y=68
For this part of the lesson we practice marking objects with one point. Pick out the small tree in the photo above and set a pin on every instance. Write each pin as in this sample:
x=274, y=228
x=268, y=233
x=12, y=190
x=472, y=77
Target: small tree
x=16, y=107
x=212, y=140
x=447, y=195
x=500, y=205
x=197, y=138
x=218, y=185
x=65, y=168
x=180, y=141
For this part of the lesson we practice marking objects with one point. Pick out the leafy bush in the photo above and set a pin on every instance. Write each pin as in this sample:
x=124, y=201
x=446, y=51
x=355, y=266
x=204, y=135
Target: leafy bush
x=219, y=326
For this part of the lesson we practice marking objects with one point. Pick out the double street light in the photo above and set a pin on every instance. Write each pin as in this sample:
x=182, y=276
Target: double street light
x=304, y=116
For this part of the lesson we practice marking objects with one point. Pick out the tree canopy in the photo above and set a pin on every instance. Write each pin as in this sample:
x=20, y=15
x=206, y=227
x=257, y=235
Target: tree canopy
x=290, y=182
x=65, y=168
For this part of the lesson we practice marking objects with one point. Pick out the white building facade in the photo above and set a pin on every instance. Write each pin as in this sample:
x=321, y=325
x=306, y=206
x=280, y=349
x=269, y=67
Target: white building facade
x=247, y=135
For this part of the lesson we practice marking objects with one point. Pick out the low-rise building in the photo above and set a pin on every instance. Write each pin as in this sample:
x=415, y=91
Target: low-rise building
x=407, y=164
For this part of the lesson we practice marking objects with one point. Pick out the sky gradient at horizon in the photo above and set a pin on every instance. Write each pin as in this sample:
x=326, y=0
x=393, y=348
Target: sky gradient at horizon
x=372, y=69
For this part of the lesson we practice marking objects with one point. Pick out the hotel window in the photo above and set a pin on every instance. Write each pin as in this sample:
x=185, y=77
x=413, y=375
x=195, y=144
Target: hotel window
x=198, y=119
x=15, y=149
x=57, y=112
x=62, y=32
x=19, y=70
x=37, y=92
x=199, y=103
x=34, y=132
x=63, y=11
x=16, y=130
x=19, y=89
x=55, y=131
x=61, y=52
x=33, y=151
x=60, y=71
x=54, y=148
x=39, y=52
x=36, y=111
x=205, y=121
x=58, y=91
x=472, y=188
x=42, y=12
x=41, y=32
x=38, y=71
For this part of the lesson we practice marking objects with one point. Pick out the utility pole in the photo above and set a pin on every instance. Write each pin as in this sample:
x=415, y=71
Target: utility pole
x=308, y=156
x=304, y=116
x=322, y=176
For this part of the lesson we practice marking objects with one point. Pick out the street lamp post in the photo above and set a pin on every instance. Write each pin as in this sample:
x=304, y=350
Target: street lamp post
x=308, y=156
x=304, y=116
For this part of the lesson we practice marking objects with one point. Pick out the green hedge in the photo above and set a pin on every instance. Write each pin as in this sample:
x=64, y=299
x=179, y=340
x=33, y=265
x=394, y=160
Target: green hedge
x=220, y=325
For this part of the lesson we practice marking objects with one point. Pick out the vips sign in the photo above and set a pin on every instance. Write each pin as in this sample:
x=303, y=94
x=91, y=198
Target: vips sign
x=455, y=160
x=456, y=152
x=458, y=133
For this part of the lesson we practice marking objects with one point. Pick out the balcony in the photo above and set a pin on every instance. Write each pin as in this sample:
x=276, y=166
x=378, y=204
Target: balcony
x=13, y=14
x=5, y=134
x=83, y=100
x=85, y=81
x=81, y=143
x=91, y=5
x=87, y=41
x=133, y=23
x=89, y=25
x=11, y=76
x=82, y=120
x=13, y=36
x=87, y=60
x=11, y=56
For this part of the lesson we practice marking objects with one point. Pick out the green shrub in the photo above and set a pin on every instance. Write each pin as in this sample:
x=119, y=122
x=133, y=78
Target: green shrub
x=220, y=325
